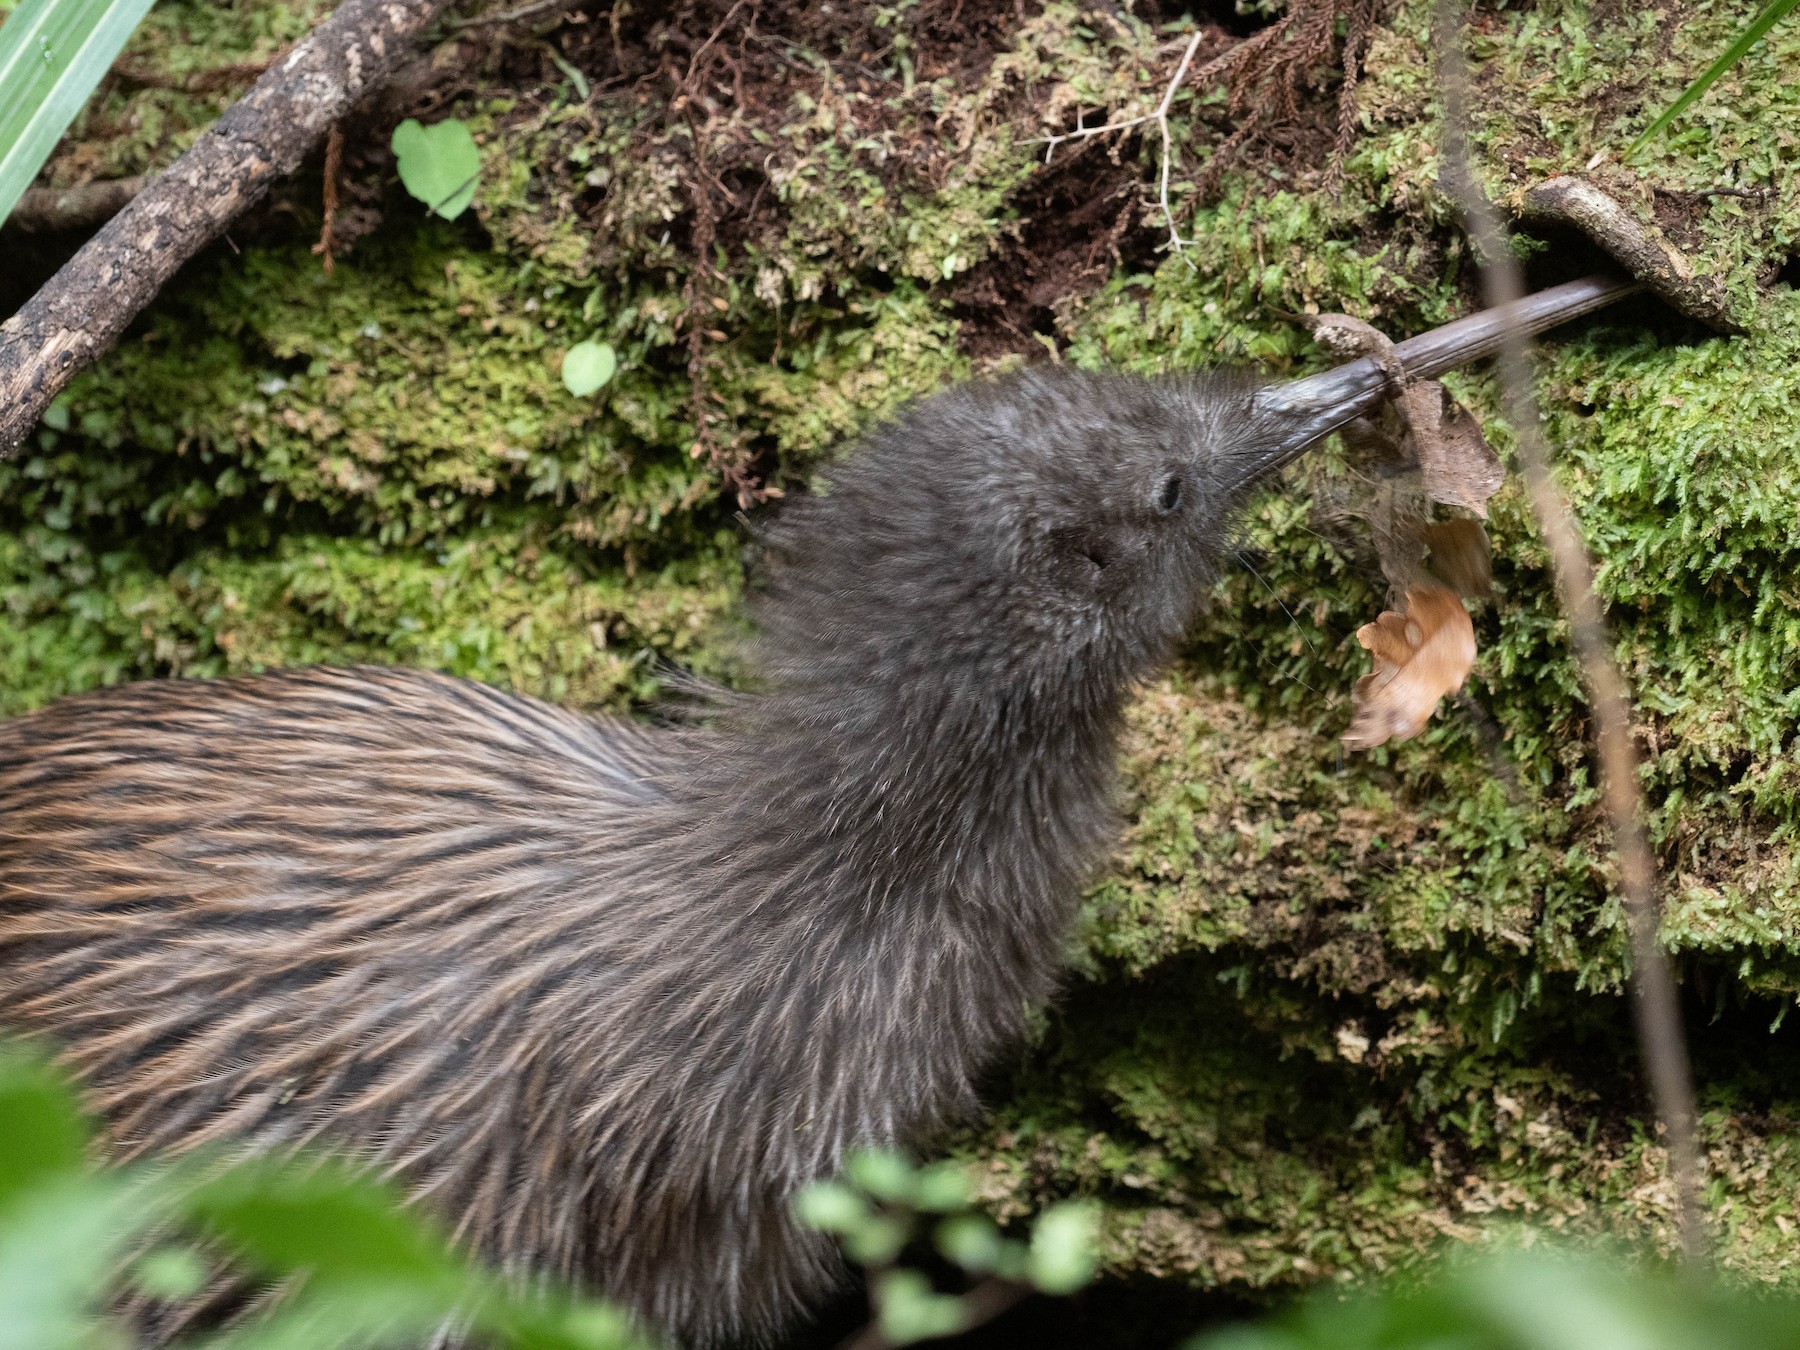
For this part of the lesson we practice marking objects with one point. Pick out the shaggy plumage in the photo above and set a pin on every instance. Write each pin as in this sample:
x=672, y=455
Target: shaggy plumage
x=605, y=996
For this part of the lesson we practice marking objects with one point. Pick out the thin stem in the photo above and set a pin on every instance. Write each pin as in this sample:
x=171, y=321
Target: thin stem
x=1168, y=152
x=1660, y=1037
x=1161, y=118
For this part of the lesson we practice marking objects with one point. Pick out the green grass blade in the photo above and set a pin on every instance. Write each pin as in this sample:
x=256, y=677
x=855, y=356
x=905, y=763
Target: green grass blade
x=52, y=54
x=1772, y=14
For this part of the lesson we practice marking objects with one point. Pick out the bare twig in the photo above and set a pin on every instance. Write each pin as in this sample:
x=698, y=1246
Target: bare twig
x=263, y=136
x=1081, y=133
x=1233, y=62
x=712, y=37
x=1162, y=125
x=1161, y=118
x=1658, y=1012
x=1750, y=194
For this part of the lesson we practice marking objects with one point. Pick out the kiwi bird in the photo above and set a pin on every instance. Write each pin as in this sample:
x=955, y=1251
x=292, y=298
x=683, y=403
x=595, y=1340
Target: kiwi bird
x=604, y=996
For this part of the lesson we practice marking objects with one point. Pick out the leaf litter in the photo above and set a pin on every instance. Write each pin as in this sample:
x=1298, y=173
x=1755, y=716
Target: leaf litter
x=1420, y=655
x=1426, y=451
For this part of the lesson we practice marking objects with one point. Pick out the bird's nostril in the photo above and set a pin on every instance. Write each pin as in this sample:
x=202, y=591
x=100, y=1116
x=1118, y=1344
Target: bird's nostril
x=1095, y=555
x=1168, y=496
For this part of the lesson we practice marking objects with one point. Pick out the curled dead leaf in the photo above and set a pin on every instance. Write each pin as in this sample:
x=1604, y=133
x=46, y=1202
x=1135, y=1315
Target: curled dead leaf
x=1420, y=656
x=1459, y=467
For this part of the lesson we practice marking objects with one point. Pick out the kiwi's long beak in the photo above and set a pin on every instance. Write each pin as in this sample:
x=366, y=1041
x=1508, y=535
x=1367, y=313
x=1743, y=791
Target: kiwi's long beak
x=1301, y=412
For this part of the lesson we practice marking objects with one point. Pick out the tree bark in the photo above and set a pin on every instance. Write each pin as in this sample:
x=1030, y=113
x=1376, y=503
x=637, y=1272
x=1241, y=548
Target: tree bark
x=84, y=308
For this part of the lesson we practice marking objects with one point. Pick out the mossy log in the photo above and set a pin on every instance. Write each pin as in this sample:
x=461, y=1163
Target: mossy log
x=1328, y=1009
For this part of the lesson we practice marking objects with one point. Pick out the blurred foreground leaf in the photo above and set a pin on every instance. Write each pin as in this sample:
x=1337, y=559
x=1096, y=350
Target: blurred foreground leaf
x=1540, y=1299
x=357, y=1268
x=52, y=54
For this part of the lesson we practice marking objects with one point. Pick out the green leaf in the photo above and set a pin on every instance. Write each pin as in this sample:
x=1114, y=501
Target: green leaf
x=1013, y=1260
x=41, y=1130
x=52, y=54
x=1771, y=14
x=391, y=1313
x=1063, y=1255
x=439, y=164
x=596, y=1325
x=322, y=1218
x=971, y=1241
x=172, y=1273
x=883, y=1174
x=588, y=366
x=911, y=1311
x=876, y=1242
x=831, y=1207
x=58, y=1246
x=943, y=1187
x=1544, y=1299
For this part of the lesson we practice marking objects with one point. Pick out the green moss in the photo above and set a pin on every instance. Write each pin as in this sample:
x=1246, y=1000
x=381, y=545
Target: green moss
x=184, y=65
x=1328, y=1008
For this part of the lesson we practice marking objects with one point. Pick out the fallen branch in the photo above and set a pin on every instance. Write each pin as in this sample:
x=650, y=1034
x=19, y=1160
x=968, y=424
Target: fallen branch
x=1660, y=1037
x=1642, y=250
x=266, y=135
x=43, y=209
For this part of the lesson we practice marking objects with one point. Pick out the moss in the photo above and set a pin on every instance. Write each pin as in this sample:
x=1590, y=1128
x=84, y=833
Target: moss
x=1328, y=1008
x=1307, y=1045
x=187, y=61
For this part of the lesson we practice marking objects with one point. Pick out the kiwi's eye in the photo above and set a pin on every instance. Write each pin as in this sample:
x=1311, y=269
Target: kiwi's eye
x=1168, y=494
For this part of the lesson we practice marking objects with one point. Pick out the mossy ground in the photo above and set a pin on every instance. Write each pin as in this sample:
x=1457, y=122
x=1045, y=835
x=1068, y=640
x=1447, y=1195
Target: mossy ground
x=1327, y=1009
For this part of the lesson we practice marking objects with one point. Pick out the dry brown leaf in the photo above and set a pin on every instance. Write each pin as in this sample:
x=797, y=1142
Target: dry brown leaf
x=1427, y=650
x=1459, y=466
x=1461, y=555
x=1420, y=656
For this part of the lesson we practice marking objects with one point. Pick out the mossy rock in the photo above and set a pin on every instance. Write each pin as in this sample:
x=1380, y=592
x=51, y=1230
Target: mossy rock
x=1327, y=1009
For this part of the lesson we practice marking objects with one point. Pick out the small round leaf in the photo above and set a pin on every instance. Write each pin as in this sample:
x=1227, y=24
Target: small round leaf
x=831, y=1207
x=1063, y=1242
x=1013, y=1260
x=884, y=1175
x=587, y=367
x=912, y=1311
x=876, y=1241
x=172, y=1273
x=439, y=164
x=943, y=1187
x=971, y=1241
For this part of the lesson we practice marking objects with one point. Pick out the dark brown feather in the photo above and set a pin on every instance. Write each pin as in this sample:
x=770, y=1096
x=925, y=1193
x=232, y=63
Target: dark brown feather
x=605, y=996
